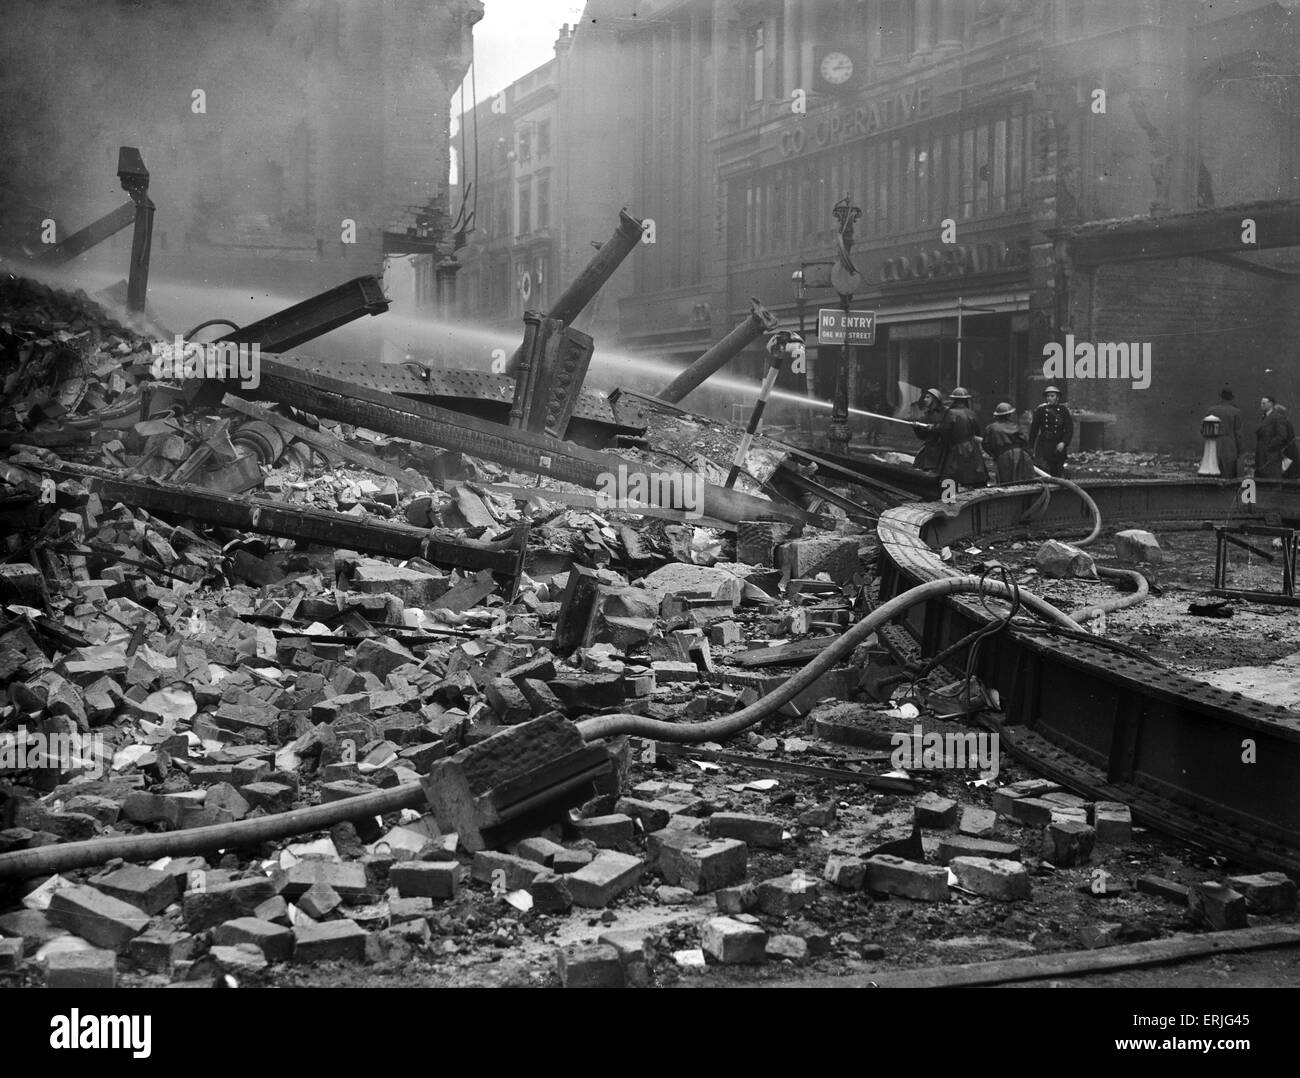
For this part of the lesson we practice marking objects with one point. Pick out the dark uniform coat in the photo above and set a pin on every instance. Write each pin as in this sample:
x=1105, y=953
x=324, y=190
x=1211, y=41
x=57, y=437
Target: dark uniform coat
x=1270, y=440
x=963, y=460
x=1290, y=452
x=1052, y=425
x=1228, y=443
x=932, y=451
x=1007, y=445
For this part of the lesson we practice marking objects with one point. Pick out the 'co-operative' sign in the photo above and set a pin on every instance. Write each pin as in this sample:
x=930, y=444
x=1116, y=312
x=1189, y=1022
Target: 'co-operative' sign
x=846, y=327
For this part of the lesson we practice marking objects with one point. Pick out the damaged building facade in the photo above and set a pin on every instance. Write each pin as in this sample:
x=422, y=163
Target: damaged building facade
x=284, y=139
x=974, y=137
x=485, y=677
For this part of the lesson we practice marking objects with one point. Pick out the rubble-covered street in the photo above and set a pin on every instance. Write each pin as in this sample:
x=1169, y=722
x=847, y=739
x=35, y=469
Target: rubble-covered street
x=166, y=676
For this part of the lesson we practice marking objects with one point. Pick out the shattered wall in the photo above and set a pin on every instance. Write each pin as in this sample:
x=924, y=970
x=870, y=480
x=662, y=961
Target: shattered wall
x=252, y=177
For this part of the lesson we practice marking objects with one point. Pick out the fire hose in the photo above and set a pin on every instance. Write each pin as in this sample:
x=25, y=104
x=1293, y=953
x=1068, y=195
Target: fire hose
x=45, y=860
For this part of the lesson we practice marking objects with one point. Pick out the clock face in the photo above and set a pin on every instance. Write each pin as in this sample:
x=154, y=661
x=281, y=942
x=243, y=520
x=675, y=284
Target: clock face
x=837, y=68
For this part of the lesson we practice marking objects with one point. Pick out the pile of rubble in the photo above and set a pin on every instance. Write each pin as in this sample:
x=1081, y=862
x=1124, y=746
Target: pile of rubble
x=332, y=755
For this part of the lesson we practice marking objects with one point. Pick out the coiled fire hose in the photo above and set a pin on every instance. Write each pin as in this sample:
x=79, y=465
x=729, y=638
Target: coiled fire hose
x=1044, y=500
x=45, y=860
x=1141, y=588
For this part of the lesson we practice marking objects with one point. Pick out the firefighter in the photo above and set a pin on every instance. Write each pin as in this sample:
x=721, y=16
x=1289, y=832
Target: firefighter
x=928, y=459
x=1270, y=440
x=963, y=460
x=1051, y=431
x=1006, y=443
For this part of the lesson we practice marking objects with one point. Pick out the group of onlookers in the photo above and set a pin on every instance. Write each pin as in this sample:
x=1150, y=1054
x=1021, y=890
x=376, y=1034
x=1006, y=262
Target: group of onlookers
x=1276, y=453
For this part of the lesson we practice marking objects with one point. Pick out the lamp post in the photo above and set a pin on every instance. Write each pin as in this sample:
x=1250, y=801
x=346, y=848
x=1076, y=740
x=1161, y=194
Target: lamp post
x=962, y=306
x=800, y=295
x=846, y=281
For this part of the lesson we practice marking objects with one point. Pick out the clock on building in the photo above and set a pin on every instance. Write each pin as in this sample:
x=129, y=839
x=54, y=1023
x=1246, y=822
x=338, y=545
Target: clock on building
x=836, y=70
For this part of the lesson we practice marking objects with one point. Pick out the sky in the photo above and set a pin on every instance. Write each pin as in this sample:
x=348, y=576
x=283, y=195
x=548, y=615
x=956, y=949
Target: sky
x=515, y=36
x=512, y=38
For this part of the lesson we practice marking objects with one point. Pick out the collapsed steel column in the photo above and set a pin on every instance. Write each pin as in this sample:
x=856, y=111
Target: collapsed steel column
x=313, y=317
x=139, y=211
x=759, y=320
x=541, y=454
x=554, y=366
x=592, y=278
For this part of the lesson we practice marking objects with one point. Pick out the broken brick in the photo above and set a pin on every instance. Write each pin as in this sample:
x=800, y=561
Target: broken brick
x=784, y=895
x=606, y=832
x=81, y=969
x=733, y=942
x=103, y=920
x=935, y=811
x=762, y=831
x=426, y=879
x=145, y=888
x=609, y=875
x=1069, y=842
x=1216, y=906
x=1007, y=881
x=891, y=875
x=687, y=860
x=330, y=941
x=845, y=871
x=589, y=965
x=273, y=940
x=1266, y=892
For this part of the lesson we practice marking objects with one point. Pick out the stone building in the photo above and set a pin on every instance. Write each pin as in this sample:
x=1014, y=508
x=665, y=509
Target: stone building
x=284, y=138
x=985, y=142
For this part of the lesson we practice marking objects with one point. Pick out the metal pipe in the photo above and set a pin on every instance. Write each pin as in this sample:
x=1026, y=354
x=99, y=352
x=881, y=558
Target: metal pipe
x=758, y=321
x=756, y=416
x=592, y=279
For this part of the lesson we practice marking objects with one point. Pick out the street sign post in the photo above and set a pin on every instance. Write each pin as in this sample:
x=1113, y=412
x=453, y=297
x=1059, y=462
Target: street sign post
x=846, y=327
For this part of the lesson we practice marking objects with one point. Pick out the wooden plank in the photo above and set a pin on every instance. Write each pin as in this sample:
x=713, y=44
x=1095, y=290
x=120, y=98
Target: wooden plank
x=1068, y=964
x=798, y=651
x=326, y=443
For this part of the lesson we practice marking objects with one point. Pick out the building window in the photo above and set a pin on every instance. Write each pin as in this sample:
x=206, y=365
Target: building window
x=525, y=143
x=896, y=27
x=543, y=203
x=544, y=138
x=502, y=213
x=756, y=60
x=525, y=207
x=963, y=167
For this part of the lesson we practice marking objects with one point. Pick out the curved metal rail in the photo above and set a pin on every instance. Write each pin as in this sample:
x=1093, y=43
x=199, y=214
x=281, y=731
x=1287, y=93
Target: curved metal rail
x=1205, y=765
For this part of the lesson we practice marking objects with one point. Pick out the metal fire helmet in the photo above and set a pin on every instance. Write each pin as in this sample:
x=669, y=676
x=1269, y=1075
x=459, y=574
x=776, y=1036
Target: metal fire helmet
x=1211, y=428
x=785, y=344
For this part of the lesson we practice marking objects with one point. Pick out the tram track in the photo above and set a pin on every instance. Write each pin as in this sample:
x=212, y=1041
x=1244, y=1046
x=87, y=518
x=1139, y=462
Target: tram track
x=1211, y=767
